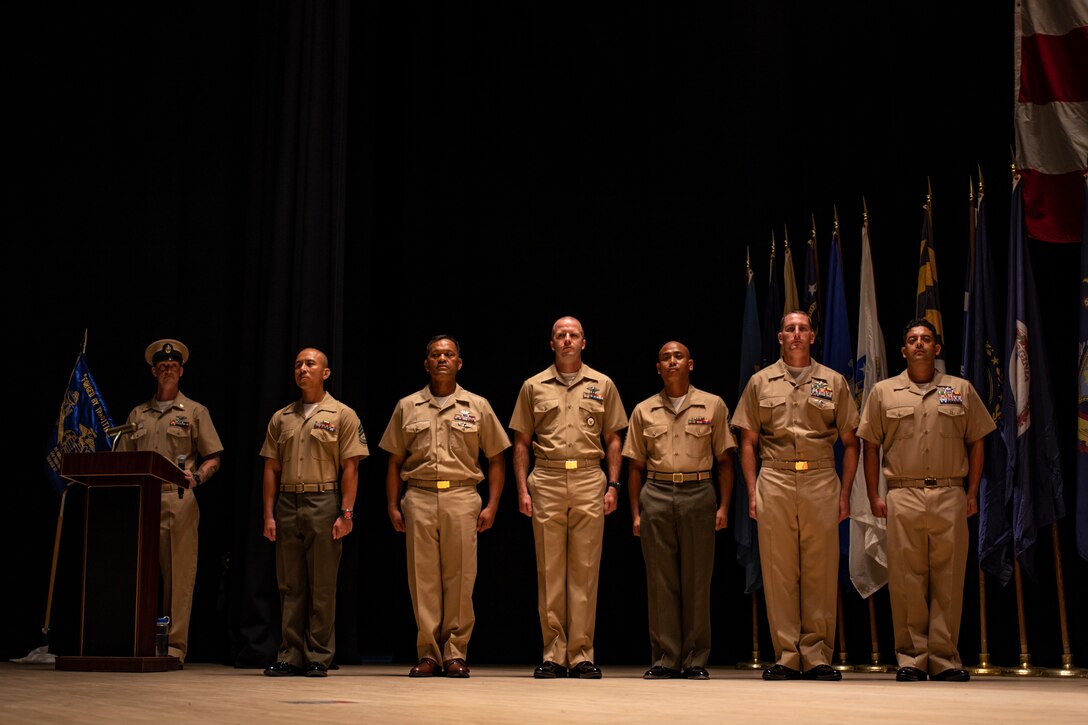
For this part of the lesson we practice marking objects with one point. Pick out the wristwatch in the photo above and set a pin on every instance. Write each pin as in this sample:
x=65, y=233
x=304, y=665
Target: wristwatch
x=347, y=514
x=615, y=485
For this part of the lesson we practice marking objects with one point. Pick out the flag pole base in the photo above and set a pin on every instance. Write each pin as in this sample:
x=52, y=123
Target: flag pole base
x=985, y=667
x=1026, y=669
x=754, y=664
x=875, y=665
x=1066, y=670
x=842, y=665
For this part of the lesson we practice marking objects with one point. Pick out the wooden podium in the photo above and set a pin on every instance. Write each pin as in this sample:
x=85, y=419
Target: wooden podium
x=120, y=567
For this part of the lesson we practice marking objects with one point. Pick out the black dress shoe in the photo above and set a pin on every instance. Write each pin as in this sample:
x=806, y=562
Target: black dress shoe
x=657, y=672
x=426, y=667
x=586, y=671
x=549, y=671
x=316, y=669
x=283, y=669
x=696, y=673
x=910, y=674
x=823, y=673
x=781, y=672
x=952, y=675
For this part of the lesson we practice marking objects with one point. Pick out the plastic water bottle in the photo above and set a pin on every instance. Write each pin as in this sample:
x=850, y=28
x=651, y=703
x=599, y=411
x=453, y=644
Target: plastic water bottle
x=162, y=636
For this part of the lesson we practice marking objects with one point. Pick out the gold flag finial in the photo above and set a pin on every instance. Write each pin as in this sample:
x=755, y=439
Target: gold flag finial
x=772, y=244
x=835, y=211
x=812, y=237
x=864, y=211
x=748, y=258
x=1012, y=165
x=785, y=237
x=981, y=184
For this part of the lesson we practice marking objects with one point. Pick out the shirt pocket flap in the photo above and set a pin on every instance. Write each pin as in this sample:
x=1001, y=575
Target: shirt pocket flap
x=544, y=406
x=416, y=426
x=950, y=409
x=772, y=401
x=655, y=431
x=899, y=412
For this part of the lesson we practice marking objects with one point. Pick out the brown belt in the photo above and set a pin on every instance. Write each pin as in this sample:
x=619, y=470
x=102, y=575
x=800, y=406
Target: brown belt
x=924, y=482
x=570, y=464
x=678, y=478
x=800, y=465
x=439, y=485
x=308, y=487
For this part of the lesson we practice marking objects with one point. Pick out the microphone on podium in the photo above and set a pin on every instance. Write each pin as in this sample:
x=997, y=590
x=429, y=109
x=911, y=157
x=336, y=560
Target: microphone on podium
x=181, y=465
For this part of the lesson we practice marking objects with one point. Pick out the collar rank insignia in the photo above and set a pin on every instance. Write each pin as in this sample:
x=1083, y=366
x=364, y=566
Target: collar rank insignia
x=324, y=425
x=592, y=392
x=821, y=389
x=700, y=420
x=948, y=395
x=181, y=422
x=464, y=416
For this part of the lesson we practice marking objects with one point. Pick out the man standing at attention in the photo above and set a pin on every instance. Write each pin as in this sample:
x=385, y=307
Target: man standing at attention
x=310, y=444
x=568, y=408
x=180, y=429
x=434, y=441
x=675, y=440
x=931, y=427
x=794, y=410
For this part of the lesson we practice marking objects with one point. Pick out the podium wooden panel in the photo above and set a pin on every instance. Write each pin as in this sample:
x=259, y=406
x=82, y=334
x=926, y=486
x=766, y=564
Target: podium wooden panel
x=120, y=568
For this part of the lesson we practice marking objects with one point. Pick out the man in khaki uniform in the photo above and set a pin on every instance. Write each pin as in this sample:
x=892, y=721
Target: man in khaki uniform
x=568, y=408
x=794, y=410
x=674, y=440
x=180, y=429
x=434, y=441
x=307, y=512
x=931, y=427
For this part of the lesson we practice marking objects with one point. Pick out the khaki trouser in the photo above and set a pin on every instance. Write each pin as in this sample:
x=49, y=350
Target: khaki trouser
x=307, y=559
x=568, y=527
x=179, y=520
x=798, y=515
x=677, y=535
x=441, y=541
x=927, y=562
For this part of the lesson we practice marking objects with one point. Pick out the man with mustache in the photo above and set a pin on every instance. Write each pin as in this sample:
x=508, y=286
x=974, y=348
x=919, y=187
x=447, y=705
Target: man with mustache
x=931, y=427
x=180, y=429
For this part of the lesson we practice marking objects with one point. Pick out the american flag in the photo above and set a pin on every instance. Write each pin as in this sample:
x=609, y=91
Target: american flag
x=1051, y=121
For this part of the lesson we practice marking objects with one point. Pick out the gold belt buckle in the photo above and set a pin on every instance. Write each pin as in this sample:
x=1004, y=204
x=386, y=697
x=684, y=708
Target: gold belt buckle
x=443, y=484
x=570, y=465
x=800, y=465
x=677, y=478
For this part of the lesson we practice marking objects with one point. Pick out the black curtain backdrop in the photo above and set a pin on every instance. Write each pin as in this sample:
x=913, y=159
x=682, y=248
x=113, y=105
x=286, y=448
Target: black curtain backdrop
x=256, y=177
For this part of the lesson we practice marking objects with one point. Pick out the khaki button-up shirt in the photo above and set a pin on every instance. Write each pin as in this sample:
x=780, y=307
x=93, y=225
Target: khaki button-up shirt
x=568, y=421
x=443, y=442
x=797, y=420
x=924, y=433
x=686, y=441
x=310, y=448
x=183, y=429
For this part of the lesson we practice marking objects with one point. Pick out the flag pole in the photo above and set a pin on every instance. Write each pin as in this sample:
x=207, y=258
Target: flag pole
x=843, y=665
x=984, y=666
x=755, y=663
x=53, y=568
x=1026, y=669
x=875, y=665
x=1067, y=669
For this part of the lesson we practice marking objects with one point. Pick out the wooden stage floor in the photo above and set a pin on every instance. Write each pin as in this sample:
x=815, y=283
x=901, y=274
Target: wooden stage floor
x=205, y=693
